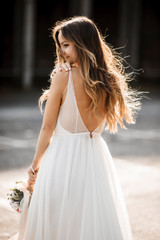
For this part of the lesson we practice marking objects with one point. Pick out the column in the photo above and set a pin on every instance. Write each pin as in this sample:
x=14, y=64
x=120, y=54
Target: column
x=28, y=43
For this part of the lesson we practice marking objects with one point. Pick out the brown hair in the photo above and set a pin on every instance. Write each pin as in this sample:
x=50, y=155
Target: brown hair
x=102, y=70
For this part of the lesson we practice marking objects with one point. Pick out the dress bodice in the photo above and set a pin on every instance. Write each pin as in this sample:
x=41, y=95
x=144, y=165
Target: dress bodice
x=69, y=119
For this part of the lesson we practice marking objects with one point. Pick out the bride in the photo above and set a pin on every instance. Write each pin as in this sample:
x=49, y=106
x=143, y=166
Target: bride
x=76, y=190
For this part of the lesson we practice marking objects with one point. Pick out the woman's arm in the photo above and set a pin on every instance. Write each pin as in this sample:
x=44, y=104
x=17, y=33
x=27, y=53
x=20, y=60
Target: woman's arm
x=58, y=84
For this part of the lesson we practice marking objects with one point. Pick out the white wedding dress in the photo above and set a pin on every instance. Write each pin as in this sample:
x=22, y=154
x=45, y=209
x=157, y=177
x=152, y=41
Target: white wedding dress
x=77, y=194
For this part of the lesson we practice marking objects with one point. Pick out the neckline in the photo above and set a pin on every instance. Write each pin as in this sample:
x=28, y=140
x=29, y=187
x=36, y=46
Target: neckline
x=70, y=75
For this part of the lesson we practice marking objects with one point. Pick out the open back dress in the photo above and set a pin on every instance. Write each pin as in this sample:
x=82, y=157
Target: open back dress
x=77, y=194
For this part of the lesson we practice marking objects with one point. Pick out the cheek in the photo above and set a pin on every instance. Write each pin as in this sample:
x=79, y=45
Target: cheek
x=75, y=53
x=67, y=51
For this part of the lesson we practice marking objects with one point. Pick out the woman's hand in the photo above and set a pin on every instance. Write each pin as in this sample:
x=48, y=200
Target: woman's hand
x=31, y=178
x=65, y=66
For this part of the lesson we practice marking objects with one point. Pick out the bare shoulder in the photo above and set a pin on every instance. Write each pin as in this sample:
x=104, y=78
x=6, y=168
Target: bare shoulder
x=59, y=81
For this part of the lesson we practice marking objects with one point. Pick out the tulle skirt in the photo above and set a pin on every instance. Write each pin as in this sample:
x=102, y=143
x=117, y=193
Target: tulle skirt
x=77, y=194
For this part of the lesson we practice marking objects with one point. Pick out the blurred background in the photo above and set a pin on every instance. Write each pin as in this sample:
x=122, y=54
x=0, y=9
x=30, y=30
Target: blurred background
x=27, y=48
x=27, y=58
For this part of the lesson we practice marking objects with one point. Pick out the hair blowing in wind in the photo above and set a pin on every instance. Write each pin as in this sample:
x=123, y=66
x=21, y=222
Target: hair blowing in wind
x=102, y=70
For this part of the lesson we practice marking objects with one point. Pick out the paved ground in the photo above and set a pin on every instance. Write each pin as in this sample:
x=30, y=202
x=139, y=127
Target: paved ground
x=136, y=153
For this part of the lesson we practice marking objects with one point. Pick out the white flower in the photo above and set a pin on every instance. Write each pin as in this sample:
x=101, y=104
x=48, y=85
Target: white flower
x=14, y=205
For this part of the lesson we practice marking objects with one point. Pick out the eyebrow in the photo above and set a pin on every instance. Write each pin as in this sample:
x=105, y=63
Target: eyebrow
x=63, y=42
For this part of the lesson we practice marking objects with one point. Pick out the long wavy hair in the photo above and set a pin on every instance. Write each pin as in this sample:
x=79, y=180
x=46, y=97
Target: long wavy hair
x=102, y=69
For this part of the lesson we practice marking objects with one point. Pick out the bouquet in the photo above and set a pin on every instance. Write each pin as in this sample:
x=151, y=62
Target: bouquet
x=16, y=195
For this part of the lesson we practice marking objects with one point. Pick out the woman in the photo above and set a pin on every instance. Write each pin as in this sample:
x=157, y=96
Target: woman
x=76, y=191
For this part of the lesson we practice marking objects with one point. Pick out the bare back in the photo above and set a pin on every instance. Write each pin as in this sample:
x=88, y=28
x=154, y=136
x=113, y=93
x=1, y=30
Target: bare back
x=83, y=101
